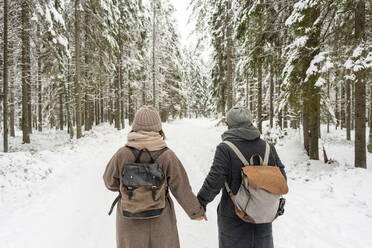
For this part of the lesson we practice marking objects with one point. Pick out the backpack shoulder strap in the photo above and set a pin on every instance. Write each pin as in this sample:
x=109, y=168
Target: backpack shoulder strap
x=134, y=151
x=242, y=159
x=274, y=156
x=157, y=155
x=267, y=154
x=136, y=155
x=237, y=152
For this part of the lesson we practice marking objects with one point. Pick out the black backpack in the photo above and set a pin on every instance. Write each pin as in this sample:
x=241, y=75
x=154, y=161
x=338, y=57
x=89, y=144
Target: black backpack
x=143, y=187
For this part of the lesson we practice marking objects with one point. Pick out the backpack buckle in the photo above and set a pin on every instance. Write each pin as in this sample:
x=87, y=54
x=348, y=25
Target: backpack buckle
x=281, y=206
x=153, y=188
x=130, y=192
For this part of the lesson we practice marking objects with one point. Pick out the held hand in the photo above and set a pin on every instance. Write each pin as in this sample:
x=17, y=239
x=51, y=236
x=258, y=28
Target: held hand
x=199, y=219
x=204, y=217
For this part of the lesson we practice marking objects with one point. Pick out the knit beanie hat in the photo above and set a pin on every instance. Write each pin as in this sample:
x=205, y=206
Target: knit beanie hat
x=147, y=119
x=237, y=116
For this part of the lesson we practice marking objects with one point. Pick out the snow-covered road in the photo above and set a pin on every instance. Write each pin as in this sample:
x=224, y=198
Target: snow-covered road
x=328, y=206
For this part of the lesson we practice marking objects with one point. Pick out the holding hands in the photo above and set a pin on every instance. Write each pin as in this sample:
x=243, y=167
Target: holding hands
x=204, y=217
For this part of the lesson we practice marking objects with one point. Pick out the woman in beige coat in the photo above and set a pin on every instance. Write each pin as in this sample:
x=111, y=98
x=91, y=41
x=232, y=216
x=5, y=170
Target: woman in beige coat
x=159, y=232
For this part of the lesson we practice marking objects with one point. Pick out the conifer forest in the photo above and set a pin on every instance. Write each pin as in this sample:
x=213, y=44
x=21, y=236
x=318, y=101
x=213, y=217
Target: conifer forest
x=71, y=65
x=73, y=74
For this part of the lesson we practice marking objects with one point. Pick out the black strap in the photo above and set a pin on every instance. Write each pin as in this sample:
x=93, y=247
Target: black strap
x=140, y=154
x=274, y=157
x=114, y=203
x=153, y=158
x=157, y=155
x=134, y=151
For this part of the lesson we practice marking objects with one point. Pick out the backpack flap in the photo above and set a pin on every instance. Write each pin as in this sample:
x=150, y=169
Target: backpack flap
x=268, y=178
x=139, y=175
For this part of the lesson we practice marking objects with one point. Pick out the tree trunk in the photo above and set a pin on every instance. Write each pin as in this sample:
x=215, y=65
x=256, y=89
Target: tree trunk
x=117, y=90
x=153, y=55
x=305, y=124
x=29, y=98
x=280, y=112
x=87, y=115
x=11, y=93
x=77, y=70
x=259, y=95
x=229, y=90
x=143, y=93
x=315, y=126
x=117, y=103
x=5, y=79
x=97, y=108
x=285, y=117
x=67, y=93
x=70, y=127
x=130, y=104
x=271, y=96
x=360, y=92
x=370, y=118
x=52, y=107
x=329, y=97
x=348, y=110
x=110, y=111
x=337, y=112
x=102, y=105
x=61, y=117
x=343, y=122
x=89, y=107
x=352, y=106
x=251, y=95
x=39, y=94
x=26, y=73
x=121, y=82
x=247, y=91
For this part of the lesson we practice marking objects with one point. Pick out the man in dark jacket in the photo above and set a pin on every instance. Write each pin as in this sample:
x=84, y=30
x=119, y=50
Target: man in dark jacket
x=232, y=231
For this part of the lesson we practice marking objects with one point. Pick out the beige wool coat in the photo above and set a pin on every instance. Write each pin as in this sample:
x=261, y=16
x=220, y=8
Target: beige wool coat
x=160, y=232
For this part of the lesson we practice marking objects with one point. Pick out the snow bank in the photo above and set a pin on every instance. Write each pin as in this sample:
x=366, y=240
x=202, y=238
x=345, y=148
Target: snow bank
x=53, y=194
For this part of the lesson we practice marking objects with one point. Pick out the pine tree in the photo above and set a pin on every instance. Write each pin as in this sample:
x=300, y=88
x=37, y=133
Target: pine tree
x=77, y=69
x=5, y=78
x=26, y=71
x=360, y=90
x=229, y=47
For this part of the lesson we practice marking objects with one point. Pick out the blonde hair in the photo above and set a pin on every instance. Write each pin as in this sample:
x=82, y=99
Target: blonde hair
x=162, y=134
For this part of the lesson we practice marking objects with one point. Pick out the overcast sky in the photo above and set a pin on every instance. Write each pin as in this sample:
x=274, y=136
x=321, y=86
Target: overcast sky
x=182, y=16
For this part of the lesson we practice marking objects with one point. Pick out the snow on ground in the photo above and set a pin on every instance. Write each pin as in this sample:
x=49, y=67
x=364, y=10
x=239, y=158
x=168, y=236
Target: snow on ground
x=52, y=192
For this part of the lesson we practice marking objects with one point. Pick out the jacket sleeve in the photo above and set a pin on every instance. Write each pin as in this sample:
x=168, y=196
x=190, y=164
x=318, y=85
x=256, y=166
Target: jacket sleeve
x=179, y=185
x=216, y=178
x=111, y=177
x=278, y=162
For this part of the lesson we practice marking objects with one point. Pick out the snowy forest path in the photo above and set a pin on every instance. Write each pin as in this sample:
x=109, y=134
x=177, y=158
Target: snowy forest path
x=326, y=207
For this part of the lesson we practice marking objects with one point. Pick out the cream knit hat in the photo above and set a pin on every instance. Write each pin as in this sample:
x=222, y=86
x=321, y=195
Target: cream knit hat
x=147, y=119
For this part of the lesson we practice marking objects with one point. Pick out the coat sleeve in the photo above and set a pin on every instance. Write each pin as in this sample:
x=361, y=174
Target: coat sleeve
x=216, y=178
x=278, y=162
x=179, y=185
x=111, y=177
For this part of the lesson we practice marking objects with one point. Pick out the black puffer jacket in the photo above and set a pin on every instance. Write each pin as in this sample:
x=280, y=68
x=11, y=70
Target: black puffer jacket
x=233, y=232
